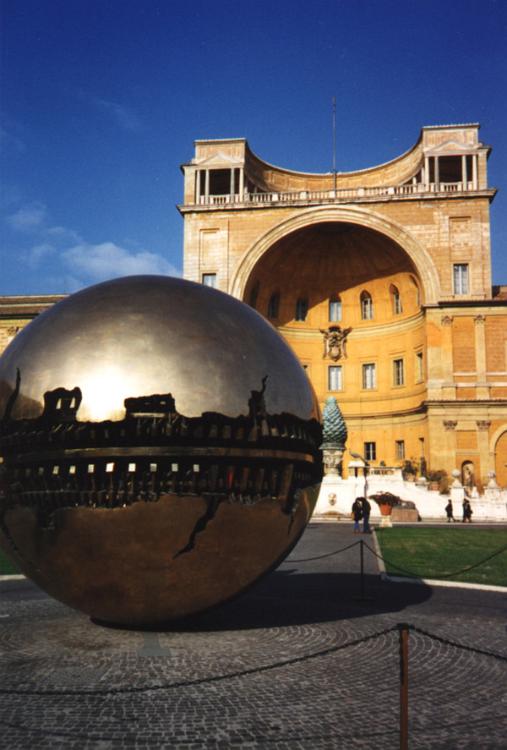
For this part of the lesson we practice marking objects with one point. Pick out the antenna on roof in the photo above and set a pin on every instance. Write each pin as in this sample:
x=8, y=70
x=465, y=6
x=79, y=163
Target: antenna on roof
x=334, y=141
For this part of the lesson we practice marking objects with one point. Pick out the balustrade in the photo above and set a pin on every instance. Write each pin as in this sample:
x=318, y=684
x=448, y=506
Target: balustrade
x=340, y=194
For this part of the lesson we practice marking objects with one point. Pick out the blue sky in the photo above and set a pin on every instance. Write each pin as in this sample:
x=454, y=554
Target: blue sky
x=102, y=100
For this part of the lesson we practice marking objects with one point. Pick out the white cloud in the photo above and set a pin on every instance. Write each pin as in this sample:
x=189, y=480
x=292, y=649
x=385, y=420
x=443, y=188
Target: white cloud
x=40, y=252
x=64, y=259
x=64, y=234
x=108, y=260
x=28, y=218
x=124, y=116
x=10, y=141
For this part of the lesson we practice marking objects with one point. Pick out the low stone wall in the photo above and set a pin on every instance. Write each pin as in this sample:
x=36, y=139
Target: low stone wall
x=337, y=495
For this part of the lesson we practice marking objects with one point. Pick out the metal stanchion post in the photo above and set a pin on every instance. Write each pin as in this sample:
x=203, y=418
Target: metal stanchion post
x=362, y=596
x=362, y=568
x=403, y=630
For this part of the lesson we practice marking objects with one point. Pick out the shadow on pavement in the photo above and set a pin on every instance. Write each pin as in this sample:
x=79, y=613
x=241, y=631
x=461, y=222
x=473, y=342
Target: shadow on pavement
x=282, y=599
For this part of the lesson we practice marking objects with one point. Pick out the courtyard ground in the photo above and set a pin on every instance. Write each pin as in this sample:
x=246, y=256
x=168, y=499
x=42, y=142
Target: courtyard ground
x=306, y=659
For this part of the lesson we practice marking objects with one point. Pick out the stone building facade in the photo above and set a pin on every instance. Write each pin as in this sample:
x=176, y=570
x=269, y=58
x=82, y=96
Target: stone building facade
x=380, y=280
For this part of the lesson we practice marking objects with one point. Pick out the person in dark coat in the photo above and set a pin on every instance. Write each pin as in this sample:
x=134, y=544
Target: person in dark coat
x=449, y=511
x=357, y=513
x=366, y=515
x=467, y=511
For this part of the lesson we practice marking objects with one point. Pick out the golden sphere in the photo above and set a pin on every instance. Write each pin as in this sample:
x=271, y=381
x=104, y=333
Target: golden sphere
x=160, y=446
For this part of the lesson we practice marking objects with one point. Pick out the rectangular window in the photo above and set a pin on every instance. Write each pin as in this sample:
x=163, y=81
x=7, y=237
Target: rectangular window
x=419, y=365
x=398, y=372
x=400, y=449
x=397, y=306
x=366, y=307
x=209, y=279
x=334, y=378
x=335, y=310
x=369, y=377
x=370, y=451
x=460, y=278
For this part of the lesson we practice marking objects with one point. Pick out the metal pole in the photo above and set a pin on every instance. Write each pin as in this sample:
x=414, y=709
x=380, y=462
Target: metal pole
x=403, y=630
x=334, y=143
x=362, y=568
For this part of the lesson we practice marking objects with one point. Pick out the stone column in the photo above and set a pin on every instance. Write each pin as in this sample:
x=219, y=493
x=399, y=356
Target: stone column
x=448, y=386
x=231, y=184
x=486, y=458
x=426, y=173
x=206, y=187
x=475, y=170
x=464, y=177
x=437, y=173
x=449, y=452
x=482, y=389
x=197, y=185
x=241, y=184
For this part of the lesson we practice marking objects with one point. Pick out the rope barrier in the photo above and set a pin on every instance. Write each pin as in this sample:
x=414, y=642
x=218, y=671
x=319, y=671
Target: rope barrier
x=464, y=647
x=443, y=575
x=391, y=564
x=255, y=670
x=327, y=554
x=204, y=680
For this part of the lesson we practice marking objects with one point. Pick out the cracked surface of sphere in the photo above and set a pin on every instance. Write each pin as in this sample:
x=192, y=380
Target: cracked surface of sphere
x=160, y=447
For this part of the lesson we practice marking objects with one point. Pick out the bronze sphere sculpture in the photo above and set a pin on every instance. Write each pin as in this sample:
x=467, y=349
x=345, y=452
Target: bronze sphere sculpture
x=160, y=449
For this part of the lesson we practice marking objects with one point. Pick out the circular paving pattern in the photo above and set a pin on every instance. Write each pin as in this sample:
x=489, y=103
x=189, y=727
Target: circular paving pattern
x=267, y=671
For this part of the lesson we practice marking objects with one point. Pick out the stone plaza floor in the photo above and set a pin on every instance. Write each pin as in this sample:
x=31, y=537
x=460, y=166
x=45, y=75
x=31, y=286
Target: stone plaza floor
x=271, y=669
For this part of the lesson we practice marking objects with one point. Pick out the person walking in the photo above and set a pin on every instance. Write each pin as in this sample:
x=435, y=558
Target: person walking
x=357, y=513
x=366, y=515
x=449, y=511
x=467, y=511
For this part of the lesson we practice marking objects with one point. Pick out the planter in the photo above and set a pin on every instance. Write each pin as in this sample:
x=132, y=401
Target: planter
x=385, y=509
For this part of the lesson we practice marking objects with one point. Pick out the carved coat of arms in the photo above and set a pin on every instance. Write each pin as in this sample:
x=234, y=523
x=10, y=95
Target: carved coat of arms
x=335, y=342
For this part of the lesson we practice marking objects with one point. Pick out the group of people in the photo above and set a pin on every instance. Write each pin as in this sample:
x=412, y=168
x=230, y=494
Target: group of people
x=467, y=511
x=361, y=510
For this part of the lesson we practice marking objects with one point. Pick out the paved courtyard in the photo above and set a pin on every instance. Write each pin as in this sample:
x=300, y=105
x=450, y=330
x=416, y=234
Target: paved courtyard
x=270, y=670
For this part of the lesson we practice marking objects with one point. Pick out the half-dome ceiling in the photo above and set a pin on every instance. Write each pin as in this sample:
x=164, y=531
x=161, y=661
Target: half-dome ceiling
x=328, y=258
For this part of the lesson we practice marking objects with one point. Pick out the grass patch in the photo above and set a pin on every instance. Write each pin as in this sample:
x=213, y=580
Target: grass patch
x=6, y=566
x=443, y=552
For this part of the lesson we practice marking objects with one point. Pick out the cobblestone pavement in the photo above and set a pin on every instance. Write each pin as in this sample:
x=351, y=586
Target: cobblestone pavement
x=264, y=671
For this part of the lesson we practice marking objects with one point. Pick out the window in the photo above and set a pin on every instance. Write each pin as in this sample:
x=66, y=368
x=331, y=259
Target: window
x=460, y=278
x=274, y=305
x=369, y=377
x=335, y=378
x=399, y=449
x=301, y=308
x=366, y=306
x=335, y=310
x=254, y=294
x=370, y=451
x=398, y=372
x=209, y=279
x=396, y=300
x=419, y=367
x=417, y=291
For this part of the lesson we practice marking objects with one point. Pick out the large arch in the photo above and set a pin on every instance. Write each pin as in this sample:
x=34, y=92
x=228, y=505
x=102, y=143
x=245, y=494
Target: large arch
x=498, y=451
x=339, y=214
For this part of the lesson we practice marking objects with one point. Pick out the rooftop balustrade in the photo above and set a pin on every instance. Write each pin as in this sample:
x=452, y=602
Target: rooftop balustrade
x=336, y=196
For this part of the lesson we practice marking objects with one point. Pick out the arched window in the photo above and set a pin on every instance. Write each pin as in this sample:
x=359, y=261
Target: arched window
x=396, y=299
x=254, y=294
x=274, y=305
x=301, y=308
x=417, y=291
x=366, y=306
x=335, y=309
